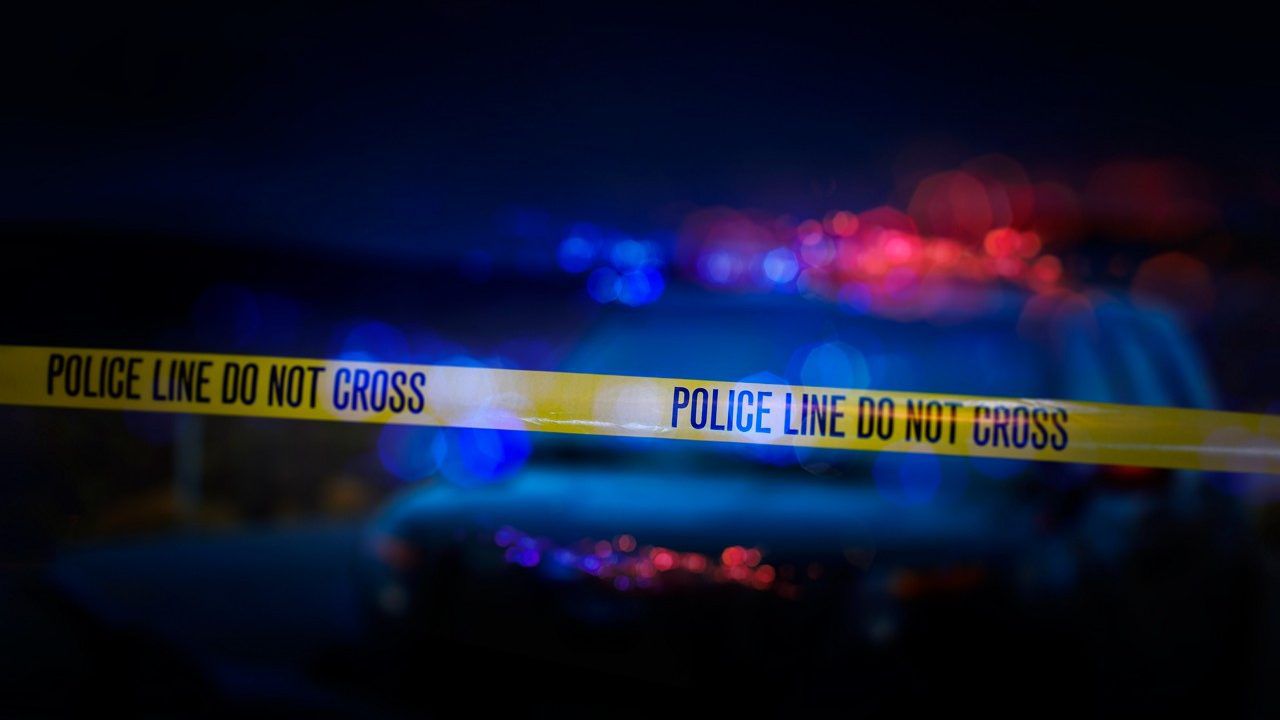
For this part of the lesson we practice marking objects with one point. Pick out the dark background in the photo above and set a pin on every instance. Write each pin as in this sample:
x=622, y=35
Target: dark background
x=417, y=130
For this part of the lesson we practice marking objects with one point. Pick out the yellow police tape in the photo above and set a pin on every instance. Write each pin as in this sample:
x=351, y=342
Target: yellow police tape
x=837, y=418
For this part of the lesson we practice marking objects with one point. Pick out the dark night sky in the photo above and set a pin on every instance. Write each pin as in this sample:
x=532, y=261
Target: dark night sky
x=424, y=131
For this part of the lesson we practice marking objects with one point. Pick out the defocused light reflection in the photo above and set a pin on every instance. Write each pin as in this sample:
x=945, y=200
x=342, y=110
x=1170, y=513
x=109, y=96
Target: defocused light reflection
x=626, y=565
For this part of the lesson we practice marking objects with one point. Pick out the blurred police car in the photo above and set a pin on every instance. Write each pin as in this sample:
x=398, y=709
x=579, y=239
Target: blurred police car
x=689, y=566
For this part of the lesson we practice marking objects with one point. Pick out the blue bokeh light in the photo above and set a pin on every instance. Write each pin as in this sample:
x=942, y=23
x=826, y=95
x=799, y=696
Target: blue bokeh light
x=577, y=254
x=628, y=254
x=481, y=456
x=780, y=266
x=603, y=285
x=831, y=364
x=780, y=454
x=718, y=267
x=640, y=287
x=411, y=453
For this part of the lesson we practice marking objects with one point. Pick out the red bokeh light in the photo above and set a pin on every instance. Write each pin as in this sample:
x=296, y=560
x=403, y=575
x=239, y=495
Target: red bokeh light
x=952, y=204
x=733, y=556
x=764, y=576
x=664, y=560
x=695, y=562
x=842, y=224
